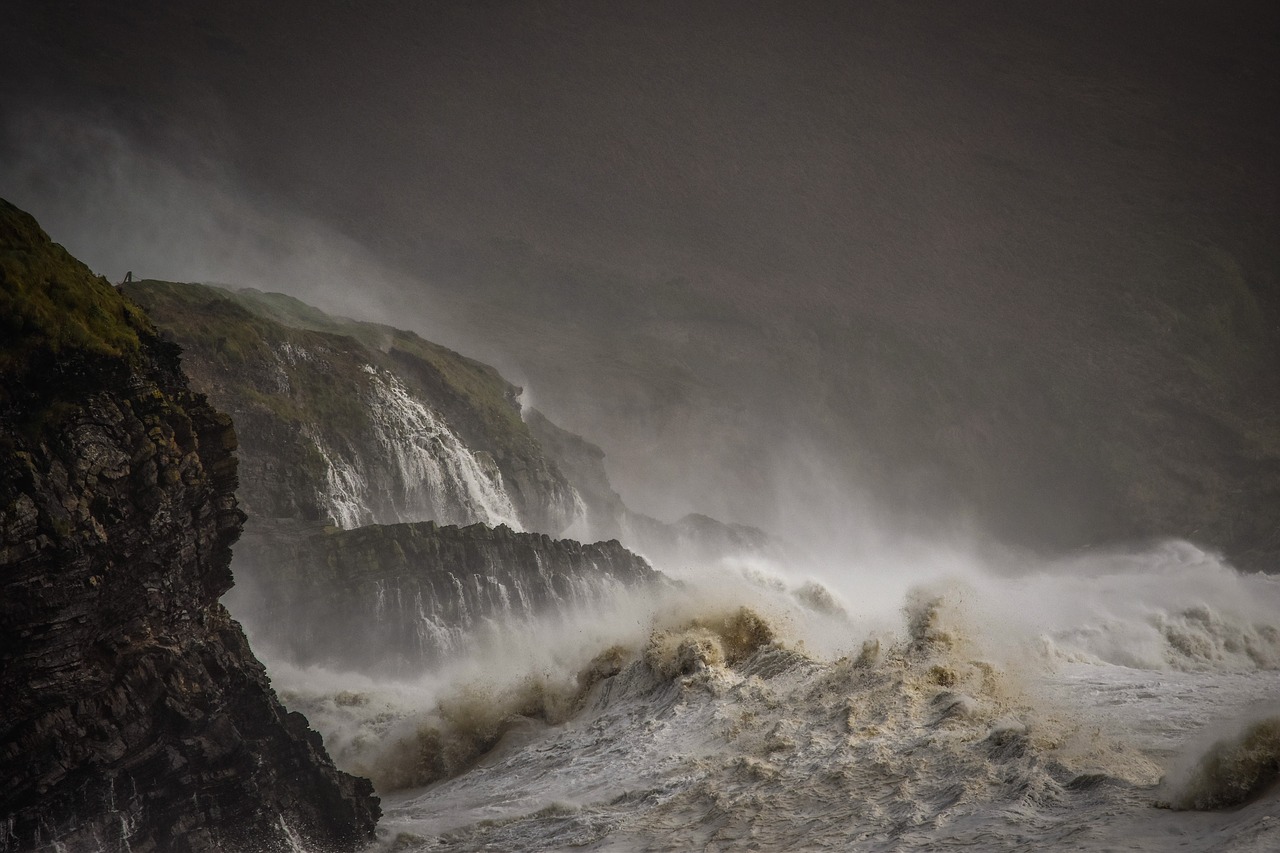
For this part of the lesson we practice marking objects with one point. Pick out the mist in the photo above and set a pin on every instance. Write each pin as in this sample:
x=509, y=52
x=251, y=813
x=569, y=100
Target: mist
x=180, y=215
x=894, y=462
x=850, y=275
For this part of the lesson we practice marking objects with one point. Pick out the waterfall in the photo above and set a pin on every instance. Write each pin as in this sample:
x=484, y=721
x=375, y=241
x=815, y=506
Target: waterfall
x=437, y=473
x=347, y=492
x=579, y=526
x=421, y=469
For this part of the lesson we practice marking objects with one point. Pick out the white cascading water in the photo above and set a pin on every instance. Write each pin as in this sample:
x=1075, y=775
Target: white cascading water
x=433, y=475
x=435, y=468
x=579, y=527
x=347, y=490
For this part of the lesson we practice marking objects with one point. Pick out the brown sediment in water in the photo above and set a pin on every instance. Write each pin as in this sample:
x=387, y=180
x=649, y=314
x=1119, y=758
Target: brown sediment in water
x=1233, y=771
x=718, y=641
x=465, y=726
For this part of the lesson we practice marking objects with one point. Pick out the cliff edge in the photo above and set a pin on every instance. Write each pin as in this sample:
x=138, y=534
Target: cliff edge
x=134, y=715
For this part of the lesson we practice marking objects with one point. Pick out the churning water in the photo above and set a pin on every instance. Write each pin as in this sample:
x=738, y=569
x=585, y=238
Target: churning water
x=1102, y=703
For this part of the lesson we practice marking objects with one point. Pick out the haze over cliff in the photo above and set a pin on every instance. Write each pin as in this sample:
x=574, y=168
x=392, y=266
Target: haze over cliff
x=915, y=362
x=1002, y=271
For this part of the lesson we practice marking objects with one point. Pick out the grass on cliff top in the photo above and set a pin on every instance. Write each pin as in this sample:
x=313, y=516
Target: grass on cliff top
x=228, y=347
x=51, y=302
x=233, y=330
x=199, y=314
x=480, y=386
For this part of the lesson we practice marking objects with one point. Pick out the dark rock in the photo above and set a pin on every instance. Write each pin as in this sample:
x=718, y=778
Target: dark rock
x=394, y=598
x=135, y=715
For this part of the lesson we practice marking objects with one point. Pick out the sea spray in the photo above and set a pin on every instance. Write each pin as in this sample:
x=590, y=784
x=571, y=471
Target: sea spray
x=719, y=732
x=1172, y=607
x=537, y=672
x=538, y=657
x=1240, y=765
x=705, y=642
x=792, y=723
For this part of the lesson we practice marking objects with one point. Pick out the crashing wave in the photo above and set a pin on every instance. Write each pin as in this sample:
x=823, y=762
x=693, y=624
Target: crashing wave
x=1233, y=771
x=719, y=709
x=743, y=709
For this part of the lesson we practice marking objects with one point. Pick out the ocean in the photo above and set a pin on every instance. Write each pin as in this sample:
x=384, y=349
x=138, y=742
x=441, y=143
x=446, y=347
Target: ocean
x=1126, y=700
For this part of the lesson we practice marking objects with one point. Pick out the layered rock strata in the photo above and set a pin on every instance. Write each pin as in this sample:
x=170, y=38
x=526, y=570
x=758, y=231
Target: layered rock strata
x=397, y=598
x=135, y=717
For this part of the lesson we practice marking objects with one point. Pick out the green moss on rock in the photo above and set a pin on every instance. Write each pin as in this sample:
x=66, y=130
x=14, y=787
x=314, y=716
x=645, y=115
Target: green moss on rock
x=292, y=376
x=51, y=303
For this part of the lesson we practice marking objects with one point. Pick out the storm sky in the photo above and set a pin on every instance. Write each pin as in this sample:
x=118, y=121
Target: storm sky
x=670, y=220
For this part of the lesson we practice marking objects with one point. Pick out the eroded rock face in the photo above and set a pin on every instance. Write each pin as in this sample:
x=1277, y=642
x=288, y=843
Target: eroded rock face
x=397, y=598
x=356, y=422
x=134, y=715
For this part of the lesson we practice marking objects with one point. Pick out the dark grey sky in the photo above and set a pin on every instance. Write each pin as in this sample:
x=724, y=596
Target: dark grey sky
x=988, y=170
x=802, y=144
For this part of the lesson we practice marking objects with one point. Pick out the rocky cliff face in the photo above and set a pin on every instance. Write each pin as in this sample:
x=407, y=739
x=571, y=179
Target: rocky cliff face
x=135, y=716
x=605, y=514
x=396, y=598
x=359, y=423
x=362, y=424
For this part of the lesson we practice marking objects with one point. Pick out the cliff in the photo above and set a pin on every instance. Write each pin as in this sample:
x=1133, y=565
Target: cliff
x=356, y=422
x=135, y=716
x=396, y=598
x=605, y=514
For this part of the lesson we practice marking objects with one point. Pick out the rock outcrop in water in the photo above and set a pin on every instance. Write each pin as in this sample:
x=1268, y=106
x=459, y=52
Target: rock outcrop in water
x=395, y=598
x=134, y=716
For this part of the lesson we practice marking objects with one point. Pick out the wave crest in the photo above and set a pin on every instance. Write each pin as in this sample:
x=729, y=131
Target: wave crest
x=708, y=642
x=1232, y=772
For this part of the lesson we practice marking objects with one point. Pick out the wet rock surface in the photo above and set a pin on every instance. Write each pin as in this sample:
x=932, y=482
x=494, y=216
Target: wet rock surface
x=356, y=422
x=134, y=714
x=395, y=598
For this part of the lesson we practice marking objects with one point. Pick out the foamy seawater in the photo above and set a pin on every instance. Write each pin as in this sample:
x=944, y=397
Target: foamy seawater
x=1066, y=707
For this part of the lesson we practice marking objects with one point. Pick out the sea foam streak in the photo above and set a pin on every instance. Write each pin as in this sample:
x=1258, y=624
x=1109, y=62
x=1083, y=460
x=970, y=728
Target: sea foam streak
x=745, y=708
